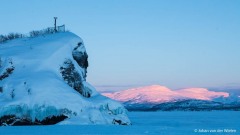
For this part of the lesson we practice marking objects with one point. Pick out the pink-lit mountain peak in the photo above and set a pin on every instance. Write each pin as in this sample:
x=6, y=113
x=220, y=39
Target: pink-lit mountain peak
x=151, y=89
x=159, y=94
x=201, y=93
x=153, y=93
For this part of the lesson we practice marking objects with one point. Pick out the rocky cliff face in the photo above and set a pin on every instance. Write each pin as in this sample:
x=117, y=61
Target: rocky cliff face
x=43, y=81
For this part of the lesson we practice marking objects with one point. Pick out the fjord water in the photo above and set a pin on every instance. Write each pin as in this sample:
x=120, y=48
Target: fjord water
x=176, y=123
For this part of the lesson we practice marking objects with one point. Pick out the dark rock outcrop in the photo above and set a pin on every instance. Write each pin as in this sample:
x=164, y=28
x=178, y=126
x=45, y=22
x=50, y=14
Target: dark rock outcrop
x=8, y=70
x=118, y=122
x=12, y=120
x=80, y=57
x=73, y=78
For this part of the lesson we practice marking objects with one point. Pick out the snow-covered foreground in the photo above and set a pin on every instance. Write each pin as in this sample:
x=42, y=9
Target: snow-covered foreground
x=43, y=81
x=173, y=123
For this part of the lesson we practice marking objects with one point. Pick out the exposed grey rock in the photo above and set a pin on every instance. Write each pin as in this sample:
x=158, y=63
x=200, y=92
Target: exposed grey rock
x=8, y=70
x=81, y=58
x=73, y=78
x=13, y=120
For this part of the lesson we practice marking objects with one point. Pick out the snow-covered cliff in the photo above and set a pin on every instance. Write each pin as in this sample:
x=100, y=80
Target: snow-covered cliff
x=43, y=81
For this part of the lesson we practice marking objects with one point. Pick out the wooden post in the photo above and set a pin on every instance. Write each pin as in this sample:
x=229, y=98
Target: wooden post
x=55, y=24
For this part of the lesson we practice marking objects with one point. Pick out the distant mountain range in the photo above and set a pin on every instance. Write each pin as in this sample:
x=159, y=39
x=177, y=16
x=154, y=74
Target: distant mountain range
x=156, y=97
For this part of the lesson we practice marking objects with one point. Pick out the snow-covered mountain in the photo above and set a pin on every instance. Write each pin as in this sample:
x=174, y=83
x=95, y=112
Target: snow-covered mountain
x=160, y=94
x=43, y=81
x=158, y=97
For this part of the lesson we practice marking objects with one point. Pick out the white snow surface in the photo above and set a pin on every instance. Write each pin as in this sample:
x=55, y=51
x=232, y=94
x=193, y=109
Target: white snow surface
x=161, y=94
x=36, y=88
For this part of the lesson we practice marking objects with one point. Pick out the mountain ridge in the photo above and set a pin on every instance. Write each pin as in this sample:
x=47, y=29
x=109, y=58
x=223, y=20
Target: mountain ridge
x=157, y=93
x=156, y=97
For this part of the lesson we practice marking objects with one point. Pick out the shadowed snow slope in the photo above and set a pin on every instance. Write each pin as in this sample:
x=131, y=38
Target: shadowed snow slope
x=45, y=76
x=160, y=94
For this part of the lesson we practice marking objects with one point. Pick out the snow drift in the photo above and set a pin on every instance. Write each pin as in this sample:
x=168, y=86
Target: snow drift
x=43, y=81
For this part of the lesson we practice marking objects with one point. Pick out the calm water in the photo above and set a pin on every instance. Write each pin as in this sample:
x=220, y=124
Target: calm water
x=169, y=123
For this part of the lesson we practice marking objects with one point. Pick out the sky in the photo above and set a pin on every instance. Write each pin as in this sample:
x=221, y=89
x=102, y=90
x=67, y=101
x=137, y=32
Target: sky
x=130, y=43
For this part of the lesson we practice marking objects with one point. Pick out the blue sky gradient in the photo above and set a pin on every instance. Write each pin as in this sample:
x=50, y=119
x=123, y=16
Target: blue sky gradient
x=142, y=42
